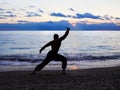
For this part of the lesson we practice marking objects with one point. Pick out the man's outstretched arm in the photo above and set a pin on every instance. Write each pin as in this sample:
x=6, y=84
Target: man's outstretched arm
x=66, y=34
x=46, y=45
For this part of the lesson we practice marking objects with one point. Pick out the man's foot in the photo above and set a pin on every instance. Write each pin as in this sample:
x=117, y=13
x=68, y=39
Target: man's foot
x=64, y=72
x=33, y=73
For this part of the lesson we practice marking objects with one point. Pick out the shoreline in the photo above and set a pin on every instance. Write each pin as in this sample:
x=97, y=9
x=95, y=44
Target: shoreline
x=72, y=65
x=85, y=79
x=8, y=68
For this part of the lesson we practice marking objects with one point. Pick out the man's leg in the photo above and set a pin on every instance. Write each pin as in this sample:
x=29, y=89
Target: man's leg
x=64, y=61
x=40, y=66
x=45, y=62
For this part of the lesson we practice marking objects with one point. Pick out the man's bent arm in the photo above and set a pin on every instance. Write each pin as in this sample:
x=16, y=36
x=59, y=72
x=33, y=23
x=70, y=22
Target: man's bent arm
x=46, y=45
x=66, y=34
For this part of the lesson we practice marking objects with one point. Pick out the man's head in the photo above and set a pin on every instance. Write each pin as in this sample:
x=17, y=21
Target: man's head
x=56, y=36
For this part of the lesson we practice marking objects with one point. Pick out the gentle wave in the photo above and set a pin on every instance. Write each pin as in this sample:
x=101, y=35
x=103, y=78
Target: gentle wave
x=37, y=57
x=20, y=48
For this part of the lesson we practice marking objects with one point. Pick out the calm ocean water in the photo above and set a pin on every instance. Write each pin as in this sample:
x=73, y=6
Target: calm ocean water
x=84, y=49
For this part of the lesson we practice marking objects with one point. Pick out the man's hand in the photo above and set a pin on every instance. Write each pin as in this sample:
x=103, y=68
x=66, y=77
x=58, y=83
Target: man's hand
x=68, y=28
x=40, y=51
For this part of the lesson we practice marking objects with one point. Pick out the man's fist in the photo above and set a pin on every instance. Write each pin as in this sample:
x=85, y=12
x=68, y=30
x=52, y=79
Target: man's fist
x=68, y=28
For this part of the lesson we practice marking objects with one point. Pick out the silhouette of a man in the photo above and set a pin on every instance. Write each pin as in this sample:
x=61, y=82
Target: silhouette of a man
x=53, y=53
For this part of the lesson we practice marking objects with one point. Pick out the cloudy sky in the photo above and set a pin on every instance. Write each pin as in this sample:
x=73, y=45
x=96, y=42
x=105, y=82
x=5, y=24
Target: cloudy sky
x=58, y=14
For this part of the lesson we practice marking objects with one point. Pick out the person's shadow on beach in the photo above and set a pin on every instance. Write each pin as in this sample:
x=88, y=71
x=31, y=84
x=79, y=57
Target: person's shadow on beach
x=53, y=53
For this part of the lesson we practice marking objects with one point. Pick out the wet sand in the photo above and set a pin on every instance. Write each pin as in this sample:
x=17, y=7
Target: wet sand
x=86, y=79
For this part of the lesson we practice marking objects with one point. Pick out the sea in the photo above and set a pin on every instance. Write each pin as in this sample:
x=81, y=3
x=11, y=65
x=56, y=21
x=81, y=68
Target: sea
x=19, y=50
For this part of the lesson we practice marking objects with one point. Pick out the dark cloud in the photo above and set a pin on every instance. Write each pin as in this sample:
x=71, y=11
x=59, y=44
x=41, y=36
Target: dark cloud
x=32, y=14
x=71, y=9
x=11, y=15
x=22, y=21
x=4, y=16
x=32, y=6
x=117, y=18
x=1, y=9
x=78, y=15
x=40, y=10
x=106, y=17
x=9, y=12
x=58, y=14
x=86, y=15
